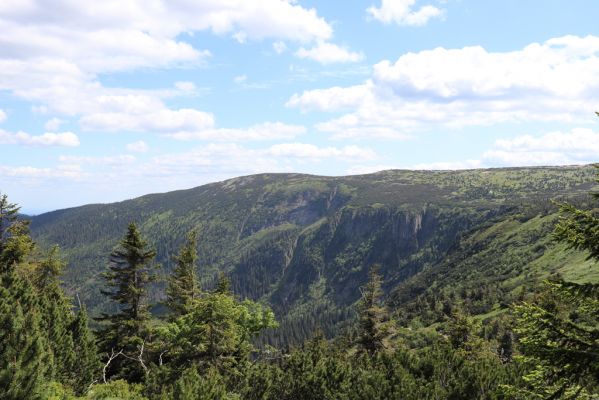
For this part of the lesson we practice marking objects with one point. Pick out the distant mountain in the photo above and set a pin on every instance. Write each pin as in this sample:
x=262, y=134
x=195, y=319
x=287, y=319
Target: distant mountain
x=304, y=243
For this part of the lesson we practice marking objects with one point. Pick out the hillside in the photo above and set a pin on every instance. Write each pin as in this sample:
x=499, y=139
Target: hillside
x=304, y=243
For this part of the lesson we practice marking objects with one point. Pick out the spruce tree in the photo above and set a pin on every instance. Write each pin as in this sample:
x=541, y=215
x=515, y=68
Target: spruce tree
x=374, y=325
x=15, y=242
x=8, y=216
x=183, y=285
x=130, y=273
x=223, y=284
x=56, y=317
x=24, y=356
x=559, y=332
x=87, y=362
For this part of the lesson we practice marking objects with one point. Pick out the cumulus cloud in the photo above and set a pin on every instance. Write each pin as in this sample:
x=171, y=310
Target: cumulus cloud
x=109, y=35
x=124, y=159
x=185, y=86
x=264, y=131
x=450, y=165
x=304, y=150
x=575, y=147
x=401, y=12
x=160, y=120
x=231, y=158
x=579, y=146
x=53, y=124
x=64, y=139
x=54, y=56
x=328, y=53
x=63, y=171
x=138, y=147
x=557, y=80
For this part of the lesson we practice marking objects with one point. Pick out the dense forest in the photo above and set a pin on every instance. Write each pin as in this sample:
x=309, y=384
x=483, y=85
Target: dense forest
x=207, y=341
x=304, y=244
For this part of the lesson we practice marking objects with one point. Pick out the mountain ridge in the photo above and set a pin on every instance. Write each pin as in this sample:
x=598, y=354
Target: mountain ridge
x=303, y=243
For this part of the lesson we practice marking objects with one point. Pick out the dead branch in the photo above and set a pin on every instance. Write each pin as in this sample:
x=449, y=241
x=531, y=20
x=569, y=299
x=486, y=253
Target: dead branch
x=112, y=356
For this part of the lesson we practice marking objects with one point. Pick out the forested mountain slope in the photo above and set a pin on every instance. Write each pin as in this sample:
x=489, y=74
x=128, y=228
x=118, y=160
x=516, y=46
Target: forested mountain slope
x=304, y=243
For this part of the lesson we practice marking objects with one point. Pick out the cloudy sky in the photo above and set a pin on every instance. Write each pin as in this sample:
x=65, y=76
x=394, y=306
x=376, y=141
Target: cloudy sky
x=107, y=100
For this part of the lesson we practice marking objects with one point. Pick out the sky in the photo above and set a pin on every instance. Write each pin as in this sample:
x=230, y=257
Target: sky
x=102, y=101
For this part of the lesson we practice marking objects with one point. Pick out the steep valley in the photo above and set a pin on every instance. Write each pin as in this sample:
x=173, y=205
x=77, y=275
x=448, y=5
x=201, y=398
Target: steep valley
x=304, y=244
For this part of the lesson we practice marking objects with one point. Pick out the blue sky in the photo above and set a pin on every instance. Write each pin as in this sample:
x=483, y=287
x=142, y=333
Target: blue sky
x=104, y=101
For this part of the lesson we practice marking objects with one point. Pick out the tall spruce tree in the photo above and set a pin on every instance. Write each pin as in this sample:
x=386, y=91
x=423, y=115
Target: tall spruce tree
x=183, y=284
x=130, y=273
x=56, y=317
x=87, y=362
x=374, y=325
x=24, y=355
x=559, y=332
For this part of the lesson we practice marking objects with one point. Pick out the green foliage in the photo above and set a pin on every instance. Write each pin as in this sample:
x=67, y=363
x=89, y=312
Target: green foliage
x=559, y=330
x=86, y=363
x=24, y=353
x=183, y=285
x=128, y=278
x=216, y=332
x=375, y=327
x=278, y=236
x=455, y=249
x=117, y=389
x=209, y=386
x=15, y=243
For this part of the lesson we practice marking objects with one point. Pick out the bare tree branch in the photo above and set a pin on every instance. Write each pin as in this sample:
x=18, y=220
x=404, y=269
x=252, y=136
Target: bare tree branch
x=112, y=356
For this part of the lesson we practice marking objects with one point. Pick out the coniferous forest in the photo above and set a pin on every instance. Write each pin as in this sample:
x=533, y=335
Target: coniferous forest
x=202, y=340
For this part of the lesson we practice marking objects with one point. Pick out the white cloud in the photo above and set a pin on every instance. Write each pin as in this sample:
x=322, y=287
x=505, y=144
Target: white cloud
x=124, y=159
x=240, y=78
x=142, y=120
x=331, y=99
x=451, y=165
x=401, y=12
x=264, y=131
x=232, y=158
x=28, y=172
x=328, y=53
x=65, y=139
x=368, y=169
x=2, y=116
x=53, y=124
x=304, y=150
x=185, y=86
x=138, y=147
x=279, y=46
x=557, y=80
x=54, y=56
x=579, y=146
x=110, y=35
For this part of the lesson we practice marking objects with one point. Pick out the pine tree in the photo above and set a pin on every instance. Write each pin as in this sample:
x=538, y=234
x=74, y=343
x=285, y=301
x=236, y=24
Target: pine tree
x=183, y=284
x=128, y=278
x=374, y=325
